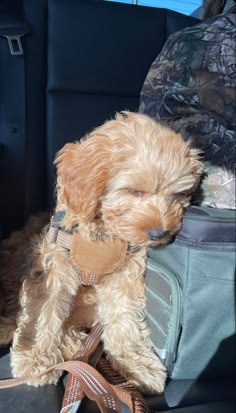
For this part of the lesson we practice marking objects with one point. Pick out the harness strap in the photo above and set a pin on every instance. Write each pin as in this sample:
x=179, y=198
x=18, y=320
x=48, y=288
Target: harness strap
x=64, y=239
x=59, y=236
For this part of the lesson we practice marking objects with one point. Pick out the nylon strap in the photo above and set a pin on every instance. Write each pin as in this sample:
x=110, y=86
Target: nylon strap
x=84, y=379
x=90, y=343
x=73, y=392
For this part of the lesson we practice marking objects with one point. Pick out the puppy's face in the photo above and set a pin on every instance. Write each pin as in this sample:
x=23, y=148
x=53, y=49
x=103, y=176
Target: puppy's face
x=139, y=179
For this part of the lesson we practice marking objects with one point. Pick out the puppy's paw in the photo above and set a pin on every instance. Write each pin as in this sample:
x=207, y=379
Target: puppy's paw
x=153, y=385
x=27, y=365
x=146, y=372
x=150, y=379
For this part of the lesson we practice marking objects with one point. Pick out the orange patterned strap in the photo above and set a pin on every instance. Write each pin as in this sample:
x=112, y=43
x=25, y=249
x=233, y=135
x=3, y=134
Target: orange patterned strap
x=85, y=379
x=91, y=383
x=90, y=344
x=73, y=392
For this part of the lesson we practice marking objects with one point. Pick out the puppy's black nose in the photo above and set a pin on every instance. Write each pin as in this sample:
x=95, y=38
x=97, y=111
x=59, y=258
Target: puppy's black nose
x=155, y=234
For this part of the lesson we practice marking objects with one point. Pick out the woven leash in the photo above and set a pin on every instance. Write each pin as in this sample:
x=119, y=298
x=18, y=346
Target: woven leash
x=114, y=387
x=83, y=379
x=92, y=384
x=74, y=392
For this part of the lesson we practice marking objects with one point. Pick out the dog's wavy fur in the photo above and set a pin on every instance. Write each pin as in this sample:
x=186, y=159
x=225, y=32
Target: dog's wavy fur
x=129, y=176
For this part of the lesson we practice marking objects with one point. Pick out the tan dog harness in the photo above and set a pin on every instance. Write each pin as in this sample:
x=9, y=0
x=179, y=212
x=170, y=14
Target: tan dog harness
x=93, y=259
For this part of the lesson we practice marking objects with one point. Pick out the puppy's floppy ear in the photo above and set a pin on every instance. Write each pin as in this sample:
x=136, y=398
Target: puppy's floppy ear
x=196, y=164
x=82, y=170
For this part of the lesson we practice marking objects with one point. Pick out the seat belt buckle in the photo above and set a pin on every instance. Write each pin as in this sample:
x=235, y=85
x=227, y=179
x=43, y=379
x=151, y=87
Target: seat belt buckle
x=15, y=45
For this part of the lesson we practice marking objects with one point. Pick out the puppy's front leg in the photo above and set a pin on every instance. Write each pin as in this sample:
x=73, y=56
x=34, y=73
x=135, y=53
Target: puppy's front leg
x=46, y=303
x=126, y=336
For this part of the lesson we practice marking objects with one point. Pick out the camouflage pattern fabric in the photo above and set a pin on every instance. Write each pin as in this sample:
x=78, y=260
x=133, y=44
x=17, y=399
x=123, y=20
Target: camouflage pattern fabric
x=191, y=86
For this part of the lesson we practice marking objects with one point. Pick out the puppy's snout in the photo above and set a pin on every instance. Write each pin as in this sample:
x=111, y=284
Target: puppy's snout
x=156, y=234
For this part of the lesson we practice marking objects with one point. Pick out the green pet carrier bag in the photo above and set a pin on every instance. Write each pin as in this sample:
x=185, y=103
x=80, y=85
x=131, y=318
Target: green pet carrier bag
x=191, y=296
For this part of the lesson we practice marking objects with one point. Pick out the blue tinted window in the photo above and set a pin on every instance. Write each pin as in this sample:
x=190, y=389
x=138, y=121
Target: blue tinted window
x=182, y=6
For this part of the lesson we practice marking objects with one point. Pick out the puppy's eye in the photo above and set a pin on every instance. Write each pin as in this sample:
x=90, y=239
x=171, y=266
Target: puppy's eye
x=182, y=194
x=135, y=192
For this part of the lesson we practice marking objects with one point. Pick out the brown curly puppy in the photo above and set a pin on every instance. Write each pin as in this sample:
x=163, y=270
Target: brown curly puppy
x=121, y=190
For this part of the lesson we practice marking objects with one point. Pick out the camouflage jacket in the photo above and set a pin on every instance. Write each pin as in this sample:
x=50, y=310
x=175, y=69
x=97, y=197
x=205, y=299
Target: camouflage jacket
x=191, y=86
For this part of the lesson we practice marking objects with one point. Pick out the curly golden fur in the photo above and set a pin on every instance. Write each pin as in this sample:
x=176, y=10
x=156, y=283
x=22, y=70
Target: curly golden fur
x=130, y=179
